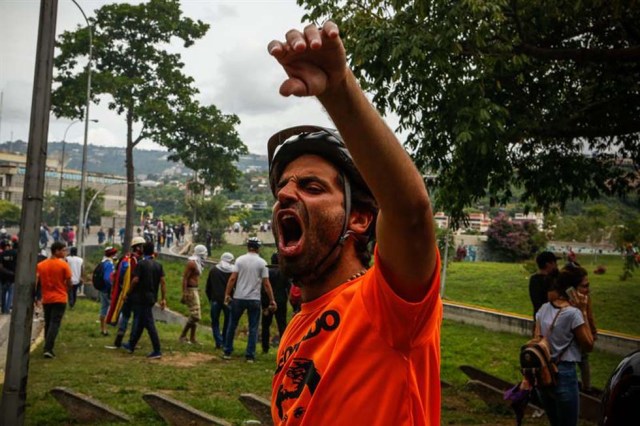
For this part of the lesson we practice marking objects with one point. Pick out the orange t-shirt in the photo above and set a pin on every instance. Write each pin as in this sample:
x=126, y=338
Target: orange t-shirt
x=53, y=275
x=361, y=355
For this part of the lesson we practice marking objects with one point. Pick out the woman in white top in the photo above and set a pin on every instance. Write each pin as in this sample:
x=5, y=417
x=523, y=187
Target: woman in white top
x=569, y=337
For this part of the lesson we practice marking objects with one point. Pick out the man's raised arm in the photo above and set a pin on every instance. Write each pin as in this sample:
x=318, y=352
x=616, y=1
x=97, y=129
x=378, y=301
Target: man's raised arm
x=315, y=62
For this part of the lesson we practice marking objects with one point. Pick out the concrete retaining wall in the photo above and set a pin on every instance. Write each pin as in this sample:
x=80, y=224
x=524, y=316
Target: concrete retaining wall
x=608, y=341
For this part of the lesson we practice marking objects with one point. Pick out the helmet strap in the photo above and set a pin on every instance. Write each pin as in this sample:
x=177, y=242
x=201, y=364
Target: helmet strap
x=334, y=254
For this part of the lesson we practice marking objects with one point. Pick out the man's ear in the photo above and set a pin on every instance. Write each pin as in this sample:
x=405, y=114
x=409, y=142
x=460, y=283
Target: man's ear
x=359, y=221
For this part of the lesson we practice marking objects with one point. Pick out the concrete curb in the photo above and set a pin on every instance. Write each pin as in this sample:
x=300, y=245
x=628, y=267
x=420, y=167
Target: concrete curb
x=85, y=409
x=178, y=413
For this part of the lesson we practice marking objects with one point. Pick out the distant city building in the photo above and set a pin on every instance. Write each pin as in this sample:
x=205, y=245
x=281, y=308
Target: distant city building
x=537, y=218
x=442, y=220
x=478, y=222
x=13, y=171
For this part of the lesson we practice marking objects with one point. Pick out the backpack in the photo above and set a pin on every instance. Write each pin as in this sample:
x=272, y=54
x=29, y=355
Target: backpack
x=536, y=363
x=98, y=277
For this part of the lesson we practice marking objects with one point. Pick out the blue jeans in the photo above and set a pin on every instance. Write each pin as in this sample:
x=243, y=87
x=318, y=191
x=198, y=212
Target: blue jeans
x=216, y=309
x=562, y=402
x=144, y=316
x=6, y=296
x=238, y=307
x=123, y=321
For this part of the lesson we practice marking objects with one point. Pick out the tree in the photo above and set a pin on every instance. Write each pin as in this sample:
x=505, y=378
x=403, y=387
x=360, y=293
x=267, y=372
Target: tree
x=514, y=240
x=145, y=83
x=165, y=199
x=68, y=204
x=9, y=213
x=497, y=94
x=212, y=217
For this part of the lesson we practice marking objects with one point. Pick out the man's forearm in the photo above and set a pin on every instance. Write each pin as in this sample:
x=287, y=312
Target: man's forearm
x=374, y=147
x=229, y=289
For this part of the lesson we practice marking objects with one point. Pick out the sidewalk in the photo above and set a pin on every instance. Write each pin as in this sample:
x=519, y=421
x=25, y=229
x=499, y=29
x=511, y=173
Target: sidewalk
x=5, y=326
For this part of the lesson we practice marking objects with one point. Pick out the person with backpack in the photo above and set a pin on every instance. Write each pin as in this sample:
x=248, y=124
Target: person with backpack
x=148, y=278
x=103, y=276
x=564, y=323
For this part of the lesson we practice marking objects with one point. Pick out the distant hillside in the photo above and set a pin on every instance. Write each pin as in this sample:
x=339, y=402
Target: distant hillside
x=110, y=160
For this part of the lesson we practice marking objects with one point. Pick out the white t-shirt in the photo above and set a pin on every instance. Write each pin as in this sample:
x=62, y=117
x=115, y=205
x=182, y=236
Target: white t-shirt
x=251, y=269
x=75, y=263
x=562, y=335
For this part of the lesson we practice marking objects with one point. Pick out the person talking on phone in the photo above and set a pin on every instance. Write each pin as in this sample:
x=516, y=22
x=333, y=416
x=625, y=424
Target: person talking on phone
x=564, y=322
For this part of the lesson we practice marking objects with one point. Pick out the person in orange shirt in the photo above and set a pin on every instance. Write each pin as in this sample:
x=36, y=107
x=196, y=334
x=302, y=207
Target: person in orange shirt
x=54, y=276
x=365, y=348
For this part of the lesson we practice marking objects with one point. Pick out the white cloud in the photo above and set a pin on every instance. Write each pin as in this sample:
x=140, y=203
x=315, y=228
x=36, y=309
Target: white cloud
x=230, y=66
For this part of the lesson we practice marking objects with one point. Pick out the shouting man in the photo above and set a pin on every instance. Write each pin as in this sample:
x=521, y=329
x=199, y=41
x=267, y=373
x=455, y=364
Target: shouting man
x=365, y=347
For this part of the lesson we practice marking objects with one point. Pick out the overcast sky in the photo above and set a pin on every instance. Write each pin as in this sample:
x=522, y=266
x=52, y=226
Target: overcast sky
x=230, y=66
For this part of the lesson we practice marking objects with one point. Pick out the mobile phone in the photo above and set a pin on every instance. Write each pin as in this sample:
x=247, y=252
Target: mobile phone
x=571, y=292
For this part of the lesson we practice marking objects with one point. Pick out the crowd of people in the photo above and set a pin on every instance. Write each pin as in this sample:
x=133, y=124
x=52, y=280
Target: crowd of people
x=354, y=319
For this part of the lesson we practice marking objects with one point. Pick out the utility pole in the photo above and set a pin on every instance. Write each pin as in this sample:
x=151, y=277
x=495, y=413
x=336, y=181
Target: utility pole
x=14, y=391
x=83, y=177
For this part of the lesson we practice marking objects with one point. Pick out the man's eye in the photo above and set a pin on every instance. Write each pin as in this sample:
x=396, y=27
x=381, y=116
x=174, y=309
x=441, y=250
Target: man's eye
x=314, y=189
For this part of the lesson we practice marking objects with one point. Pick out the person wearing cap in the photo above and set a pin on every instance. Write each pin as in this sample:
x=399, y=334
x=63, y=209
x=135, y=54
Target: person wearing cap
x=54, y=278
x=190, y=295
x=76, y=264
x=108, y=275
x=249, y=274
x=539, y=282
x=365, y=349
x=216, y=285
x=119, y=309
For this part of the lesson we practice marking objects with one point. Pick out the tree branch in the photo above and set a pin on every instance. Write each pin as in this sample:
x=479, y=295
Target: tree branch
x=581, y=55
x=141, y=136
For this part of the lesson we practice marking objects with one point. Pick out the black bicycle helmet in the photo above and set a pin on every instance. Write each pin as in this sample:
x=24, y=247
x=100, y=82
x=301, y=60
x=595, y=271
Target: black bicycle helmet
x=289, y=144
x=621, y=398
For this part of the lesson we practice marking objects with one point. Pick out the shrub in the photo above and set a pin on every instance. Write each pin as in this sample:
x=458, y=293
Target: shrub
x=514, y=240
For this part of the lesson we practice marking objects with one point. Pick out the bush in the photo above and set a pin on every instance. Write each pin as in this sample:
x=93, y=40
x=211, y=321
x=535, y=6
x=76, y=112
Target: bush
x=514, y=240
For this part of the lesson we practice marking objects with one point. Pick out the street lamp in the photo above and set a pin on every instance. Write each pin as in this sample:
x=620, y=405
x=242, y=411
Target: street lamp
x=83, y=177
x=95, y=196
x=64, y=139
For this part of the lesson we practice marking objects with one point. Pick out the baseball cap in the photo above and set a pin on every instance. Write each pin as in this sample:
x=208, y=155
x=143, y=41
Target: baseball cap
x=110, y=251
x=546, y=257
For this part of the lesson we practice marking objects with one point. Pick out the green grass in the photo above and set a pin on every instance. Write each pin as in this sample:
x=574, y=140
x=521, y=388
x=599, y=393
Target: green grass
x=193, y=374
x=197, y=376
x=505, y=286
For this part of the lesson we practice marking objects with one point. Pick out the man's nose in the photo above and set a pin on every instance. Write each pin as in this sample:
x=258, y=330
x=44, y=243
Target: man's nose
x=287, y=194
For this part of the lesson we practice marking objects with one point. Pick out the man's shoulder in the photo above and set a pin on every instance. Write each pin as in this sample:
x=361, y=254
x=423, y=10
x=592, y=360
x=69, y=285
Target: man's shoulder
x=536, y=278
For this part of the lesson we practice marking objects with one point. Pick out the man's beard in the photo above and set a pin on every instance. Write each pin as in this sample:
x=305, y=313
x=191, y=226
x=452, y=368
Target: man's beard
x=320, y=238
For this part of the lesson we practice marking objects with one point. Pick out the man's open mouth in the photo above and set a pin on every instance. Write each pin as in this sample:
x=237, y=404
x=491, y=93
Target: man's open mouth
x=290, y=234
